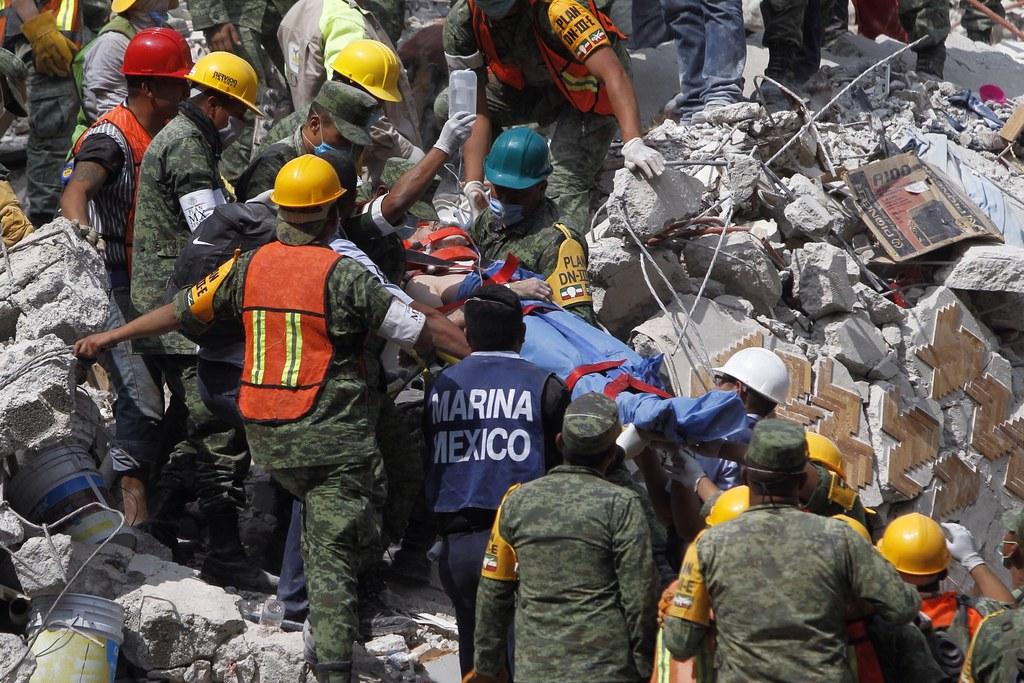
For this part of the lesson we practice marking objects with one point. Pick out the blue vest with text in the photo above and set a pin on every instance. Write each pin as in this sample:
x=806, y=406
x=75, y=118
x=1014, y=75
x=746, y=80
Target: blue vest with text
x=485, y=431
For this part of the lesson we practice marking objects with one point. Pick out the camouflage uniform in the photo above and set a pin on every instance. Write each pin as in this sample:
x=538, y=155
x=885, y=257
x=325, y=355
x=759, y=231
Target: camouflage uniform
x=579, y=142
x=534, y=240
x=832, y=496
x=927, y=19
x=327, y=457
x=996, y=654
x=182, y=159
x=779, y=581
x=602, y=611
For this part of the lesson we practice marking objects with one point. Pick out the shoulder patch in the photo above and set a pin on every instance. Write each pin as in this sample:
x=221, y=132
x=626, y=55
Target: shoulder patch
x=200, y=295
x=691, y=601
x=500, y=562
x=570, y=280
x=577, y=28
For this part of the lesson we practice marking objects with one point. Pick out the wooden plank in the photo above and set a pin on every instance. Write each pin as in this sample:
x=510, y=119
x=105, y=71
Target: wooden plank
x=1013, y=128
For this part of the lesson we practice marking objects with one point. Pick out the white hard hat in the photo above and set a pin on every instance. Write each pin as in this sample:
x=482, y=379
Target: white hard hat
x=760, y=370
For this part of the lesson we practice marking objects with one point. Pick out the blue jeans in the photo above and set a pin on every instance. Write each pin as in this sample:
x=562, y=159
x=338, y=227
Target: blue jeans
x=712, y=49
x=138, y=399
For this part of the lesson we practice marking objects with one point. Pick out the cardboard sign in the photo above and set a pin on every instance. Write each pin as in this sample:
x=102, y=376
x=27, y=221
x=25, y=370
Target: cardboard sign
x=913, y=208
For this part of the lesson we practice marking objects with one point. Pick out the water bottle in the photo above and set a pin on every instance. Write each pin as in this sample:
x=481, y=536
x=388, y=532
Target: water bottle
x=461, y=92
x=272, y=614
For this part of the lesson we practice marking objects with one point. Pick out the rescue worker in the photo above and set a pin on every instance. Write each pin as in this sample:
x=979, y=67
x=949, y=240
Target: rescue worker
x=101, y=191
x=977, y=24
x=53, y=30
x=14, y=224
x=467, y=475
x=179, y=186
x=1012, y=554
x=825, y=491
x=604, y=609
x=768, y=625
x=995, y=652
x=337, y=119
x=373, y=68
x=561, y=63
x=97, y=67
x=928, y=19
x=523, y=221
x=314, y=434
x=918, y=549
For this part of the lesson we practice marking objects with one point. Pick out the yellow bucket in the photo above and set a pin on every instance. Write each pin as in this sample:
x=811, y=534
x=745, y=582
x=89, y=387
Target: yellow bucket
x=79, y=641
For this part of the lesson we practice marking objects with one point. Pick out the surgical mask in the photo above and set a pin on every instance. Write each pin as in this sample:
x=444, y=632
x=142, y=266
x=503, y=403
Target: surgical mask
x=321, y=149
x=507, y=214
x=230, y=132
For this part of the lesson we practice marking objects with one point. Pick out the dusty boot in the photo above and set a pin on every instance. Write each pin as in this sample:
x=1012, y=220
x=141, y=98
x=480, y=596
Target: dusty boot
x=981, y=36
x=376, y=619
x=781, y=68
x=930, y=62
x=227, y=563
x=334, y=672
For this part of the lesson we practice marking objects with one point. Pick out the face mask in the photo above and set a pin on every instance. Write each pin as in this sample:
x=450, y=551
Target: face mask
x=230, y=132
x=507, y=214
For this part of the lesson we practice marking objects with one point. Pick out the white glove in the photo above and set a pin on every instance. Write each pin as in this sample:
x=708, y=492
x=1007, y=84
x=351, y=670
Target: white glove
x=641, y=158
x=961, y=545
x=631, y=441
x=455, y=132
x=686, y=470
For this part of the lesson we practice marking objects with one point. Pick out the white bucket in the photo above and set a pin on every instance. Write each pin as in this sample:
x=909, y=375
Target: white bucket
x=79, y=641
x=55, y=482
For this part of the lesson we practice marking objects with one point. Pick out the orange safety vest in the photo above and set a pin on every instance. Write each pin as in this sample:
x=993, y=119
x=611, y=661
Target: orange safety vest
x=942, y=610
x=65, y=12
x=580, y=87
x=138, y=139
x=287, y=348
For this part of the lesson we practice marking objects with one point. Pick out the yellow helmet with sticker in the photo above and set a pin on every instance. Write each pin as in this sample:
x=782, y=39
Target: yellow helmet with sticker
x=731, y=504
x=229, y=74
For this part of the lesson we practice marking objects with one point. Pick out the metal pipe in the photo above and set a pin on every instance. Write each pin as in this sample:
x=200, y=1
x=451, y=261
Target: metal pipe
x=18, y=605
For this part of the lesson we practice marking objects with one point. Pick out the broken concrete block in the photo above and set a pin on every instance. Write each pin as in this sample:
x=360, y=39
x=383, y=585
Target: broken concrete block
x=881, y=310
x=36, y=393
x=386, y=645
x=732, y=114
x=12, y=532
x=59, y=287
x=42, y=567
x=855, y=343
x=141, y=543
x=742, y=176
x=260, y=655
x=11, y=650
x=987, y=269
x=646, y=205
x=621, y=298
x=820, y=280
x=196, y=672
x=742, y=266
x=807, y=217
x=172, y=624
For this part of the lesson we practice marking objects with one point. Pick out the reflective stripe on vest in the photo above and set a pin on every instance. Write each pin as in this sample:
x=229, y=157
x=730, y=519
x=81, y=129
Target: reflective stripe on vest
x=572, y=78
x=64, y=11
x=570, y=282
x=287, y=348
x=485, y=431
x=138, y=139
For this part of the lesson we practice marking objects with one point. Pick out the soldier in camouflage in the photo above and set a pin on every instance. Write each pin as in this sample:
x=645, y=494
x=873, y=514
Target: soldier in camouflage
x=1012, y=553
x=595, y=620
x=928, y=19
x=996, y=654
x=977, y=24
x=521, y=220
x=778, y=580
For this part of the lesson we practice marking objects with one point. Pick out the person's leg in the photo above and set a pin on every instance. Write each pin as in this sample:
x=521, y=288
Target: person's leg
x=462, y=555
x=686, y=19
x=52, y=108
x=291, y=587
x=579, y=145
x=978, y=24
x=399, y=436
x=927, y=19
x=809, y=60
x=725, y=51
x=783, y=36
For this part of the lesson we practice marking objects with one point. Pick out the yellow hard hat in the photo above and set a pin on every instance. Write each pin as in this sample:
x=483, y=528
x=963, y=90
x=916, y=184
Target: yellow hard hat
x=857, y=526
x=228, y=74
x=306, y=182
x=915, y=545
x=373, y=66
x=122, y=6
x=730, y=505
x=822, y=449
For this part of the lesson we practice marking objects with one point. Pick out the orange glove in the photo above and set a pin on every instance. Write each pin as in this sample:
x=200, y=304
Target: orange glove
x=666, y=601
x=53, y=52
x=474, y=677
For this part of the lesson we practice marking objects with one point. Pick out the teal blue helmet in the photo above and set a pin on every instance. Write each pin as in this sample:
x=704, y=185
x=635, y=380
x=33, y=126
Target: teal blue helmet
x=518, y=159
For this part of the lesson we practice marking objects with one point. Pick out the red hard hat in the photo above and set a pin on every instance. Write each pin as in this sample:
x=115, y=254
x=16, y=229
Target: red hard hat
x=157, y=52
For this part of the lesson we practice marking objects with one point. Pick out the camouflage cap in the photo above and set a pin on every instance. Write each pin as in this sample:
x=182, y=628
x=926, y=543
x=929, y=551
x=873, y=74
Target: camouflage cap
x=352, y=110
x=1013, y=520
x=777, y=446
x=591, y=425
x=395, y=168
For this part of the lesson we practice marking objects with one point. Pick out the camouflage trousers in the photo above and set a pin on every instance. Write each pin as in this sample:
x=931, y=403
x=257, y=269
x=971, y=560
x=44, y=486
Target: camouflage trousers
x=52, y=108
x=784, y=26
x=977, y=23
x=925, y=19
x=399, y=475
x=578, y=142
x=338, y=523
